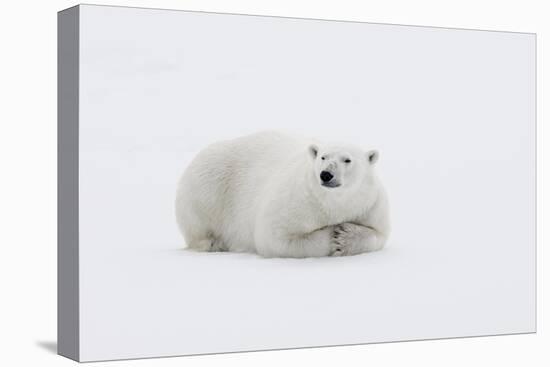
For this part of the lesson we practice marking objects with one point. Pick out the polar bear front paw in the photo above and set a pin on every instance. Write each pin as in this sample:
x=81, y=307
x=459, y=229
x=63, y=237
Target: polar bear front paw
x=344, y=237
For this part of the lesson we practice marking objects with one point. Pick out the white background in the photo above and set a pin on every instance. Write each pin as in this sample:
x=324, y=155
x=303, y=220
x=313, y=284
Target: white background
x=28, y=161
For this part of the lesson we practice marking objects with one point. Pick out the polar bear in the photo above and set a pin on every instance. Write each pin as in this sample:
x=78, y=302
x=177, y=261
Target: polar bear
x=279, y=195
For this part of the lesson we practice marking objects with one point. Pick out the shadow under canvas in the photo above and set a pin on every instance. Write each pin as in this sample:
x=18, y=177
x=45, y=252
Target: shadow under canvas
x=50, y=346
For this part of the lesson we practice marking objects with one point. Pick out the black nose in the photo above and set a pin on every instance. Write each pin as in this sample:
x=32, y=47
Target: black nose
x=326, y=176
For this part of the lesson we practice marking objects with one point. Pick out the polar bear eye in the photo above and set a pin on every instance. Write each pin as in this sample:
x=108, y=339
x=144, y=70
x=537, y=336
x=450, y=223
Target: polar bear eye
x=347, y=160
x=323, y=158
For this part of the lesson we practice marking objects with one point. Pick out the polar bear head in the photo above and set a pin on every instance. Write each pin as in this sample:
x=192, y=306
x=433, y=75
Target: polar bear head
x=341, y=166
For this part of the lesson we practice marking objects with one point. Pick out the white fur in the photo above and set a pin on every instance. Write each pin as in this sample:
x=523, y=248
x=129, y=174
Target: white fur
x=262, y=193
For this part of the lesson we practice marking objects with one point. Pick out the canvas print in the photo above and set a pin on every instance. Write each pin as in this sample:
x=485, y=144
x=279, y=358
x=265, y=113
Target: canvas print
x=238, y=183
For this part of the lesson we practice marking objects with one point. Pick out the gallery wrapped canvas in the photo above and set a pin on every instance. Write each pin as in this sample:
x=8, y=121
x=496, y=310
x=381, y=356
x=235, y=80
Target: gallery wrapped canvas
x=236, y=183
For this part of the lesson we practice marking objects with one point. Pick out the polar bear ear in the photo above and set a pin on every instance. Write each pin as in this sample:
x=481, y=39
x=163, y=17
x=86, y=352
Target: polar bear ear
x=313, y=150
x=372, y=156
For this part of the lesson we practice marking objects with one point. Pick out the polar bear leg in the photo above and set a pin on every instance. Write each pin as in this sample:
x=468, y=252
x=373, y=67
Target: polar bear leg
x=200, y=238
x=353, y=239
x=315, y=244
x=197, y=230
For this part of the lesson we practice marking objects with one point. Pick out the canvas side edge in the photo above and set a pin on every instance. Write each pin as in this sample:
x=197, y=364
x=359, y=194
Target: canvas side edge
x=68, y=316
